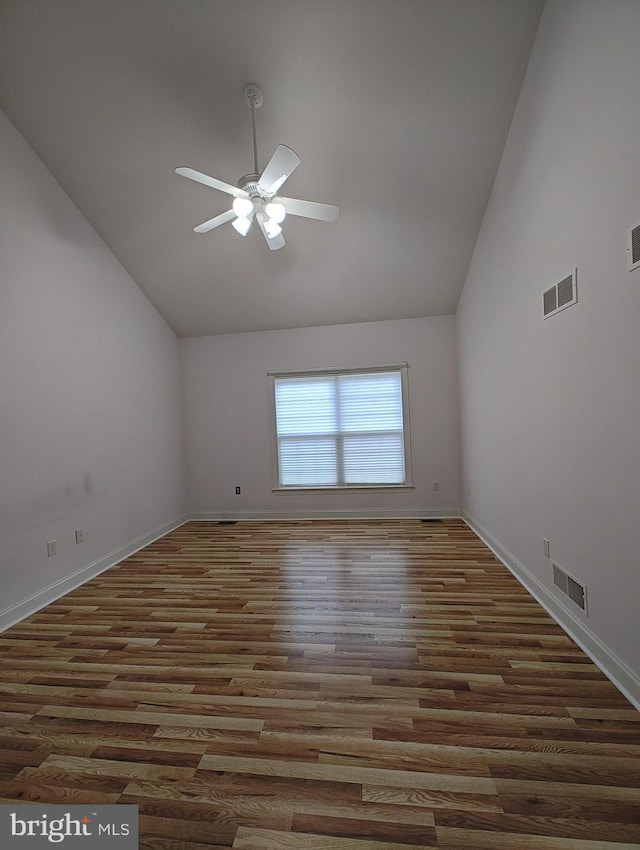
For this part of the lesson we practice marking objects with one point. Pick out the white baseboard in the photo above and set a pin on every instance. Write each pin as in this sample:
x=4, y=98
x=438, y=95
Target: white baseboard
x=329, y=513
x=619, y=673
x=14, y=614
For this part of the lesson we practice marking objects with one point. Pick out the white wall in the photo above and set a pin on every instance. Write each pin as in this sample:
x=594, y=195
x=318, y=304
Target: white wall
x=551, y=409
x=90, y=409
x=228, y=426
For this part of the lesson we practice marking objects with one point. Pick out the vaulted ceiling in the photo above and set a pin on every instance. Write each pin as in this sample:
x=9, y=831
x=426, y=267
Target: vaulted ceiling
x=398, y=109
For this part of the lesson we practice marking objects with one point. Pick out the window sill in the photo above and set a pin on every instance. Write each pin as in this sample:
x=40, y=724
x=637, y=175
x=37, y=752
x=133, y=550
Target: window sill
x=350, y=489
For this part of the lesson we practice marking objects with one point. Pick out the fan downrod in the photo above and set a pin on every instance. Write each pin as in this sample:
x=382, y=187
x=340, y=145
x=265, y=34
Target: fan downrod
x=253, y=98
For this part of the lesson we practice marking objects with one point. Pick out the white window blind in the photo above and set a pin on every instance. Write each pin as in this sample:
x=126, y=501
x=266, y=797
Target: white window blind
x=341, y=429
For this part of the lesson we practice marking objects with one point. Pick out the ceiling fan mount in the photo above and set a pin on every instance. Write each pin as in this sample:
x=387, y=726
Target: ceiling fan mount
x=256, y=195
x=253, y=96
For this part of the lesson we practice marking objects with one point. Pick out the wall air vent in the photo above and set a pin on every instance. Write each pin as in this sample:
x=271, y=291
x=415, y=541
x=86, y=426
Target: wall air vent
x=633, y=247
x=562, y=295
x=550, y=301
x=576, y=591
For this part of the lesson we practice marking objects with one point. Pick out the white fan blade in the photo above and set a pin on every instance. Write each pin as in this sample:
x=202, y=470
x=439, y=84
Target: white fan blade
x=276, y=241
x=211, y=181
x=310, y=209
x=206, y=226
x=281, y=165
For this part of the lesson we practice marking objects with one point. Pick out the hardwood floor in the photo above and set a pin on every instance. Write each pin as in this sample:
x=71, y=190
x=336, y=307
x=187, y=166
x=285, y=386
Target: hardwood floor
x=320, y=685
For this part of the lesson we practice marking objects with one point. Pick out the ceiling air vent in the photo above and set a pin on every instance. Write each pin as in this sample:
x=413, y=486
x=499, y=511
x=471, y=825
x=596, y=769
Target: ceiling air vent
x=576, y=591
x=633, y=247
x=562, y=295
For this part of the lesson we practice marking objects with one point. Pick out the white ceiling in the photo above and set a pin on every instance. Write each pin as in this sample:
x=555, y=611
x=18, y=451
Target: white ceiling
x=398, y=109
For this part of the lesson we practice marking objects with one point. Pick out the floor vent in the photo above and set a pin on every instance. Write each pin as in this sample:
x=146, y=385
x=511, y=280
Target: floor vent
x=430, y=520
x=562, y=295
x=576, y=591
x=633, y=246
x=227, y=522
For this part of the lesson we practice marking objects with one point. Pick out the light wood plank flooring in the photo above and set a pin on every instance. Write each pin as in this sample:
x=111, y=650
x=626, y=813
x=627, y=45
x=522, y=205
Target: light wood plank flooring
x=319, y=685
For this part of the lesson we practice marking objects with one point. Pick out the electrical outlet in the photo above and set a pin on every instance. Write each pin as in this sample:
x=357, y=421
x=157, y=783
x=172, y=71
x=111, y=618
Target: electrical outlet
x=436, y=485
x=467, y=491
x=237, y=491
x=51, y=548
x=79, y=535
x=546, y=547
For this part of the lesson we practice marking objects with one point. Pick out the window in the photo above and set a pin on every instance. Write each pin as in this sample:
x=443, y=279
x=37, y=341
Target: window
x=342, y=428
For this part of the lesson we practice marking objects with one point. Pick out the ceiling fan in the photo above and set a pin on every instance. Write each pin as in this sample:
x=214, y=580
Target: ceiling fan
x=255, y=196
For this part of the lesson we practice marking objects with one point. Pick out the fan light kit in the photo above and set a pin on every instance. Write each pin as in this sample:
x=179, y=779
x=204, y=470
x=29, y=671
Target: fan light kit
x=255, y=196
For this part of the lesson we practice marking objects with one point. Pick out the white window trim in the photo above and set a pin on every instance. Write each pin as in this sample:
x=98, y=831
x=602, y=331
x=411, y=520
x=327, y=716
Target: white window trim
x=403, y=368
